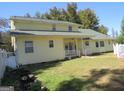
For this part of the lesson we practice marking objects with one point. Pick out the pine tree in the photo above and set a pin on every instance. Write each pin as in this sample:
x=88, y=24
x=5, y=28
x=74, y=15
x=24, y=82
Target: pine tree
x=88, y=18
x=37, y=14
x=122, y=27
x=72, y=15
x=27, y=15
x=113, y=33
x=55, y=13
x=102, y=29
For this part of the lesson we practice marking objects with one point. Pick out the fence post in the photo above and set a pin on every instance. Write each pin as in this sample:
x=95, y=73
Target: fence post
x=2, y=63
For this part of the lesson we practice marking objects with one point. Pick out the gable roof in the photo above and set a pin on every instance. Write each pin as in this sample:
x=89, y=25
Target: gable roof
x=42, y=20
x=97, y=35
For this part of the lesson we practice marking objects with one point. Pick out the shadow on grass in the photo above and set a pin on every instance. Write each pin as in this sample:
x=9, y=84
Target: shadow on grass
x=116, y=81
x=99, y=54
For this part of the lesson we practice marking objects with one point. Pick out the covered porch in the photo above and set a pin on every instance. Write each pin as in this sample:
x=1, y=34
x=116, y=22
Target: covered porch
x=72, y=47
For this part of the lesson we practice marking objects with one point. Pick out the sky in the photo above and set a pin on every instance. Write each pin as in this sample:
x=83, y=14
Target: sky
x=110, y=14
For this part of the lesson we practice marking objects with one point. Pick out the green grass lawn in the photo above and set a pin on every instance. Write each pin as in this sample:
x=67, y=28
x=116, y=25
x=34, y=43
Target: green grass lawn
x=101, y=72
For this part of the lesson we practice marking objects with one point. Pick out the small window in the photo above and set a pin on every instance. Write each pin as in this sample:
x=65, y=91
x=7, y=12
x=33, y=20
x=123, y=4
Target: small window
x=28, y=46
x=51, y=44
x=66, y=47
x=87, y=43
x=70, y=28
x=70, y=46
x=54, y=28
x=97, y=44
x=101, y=43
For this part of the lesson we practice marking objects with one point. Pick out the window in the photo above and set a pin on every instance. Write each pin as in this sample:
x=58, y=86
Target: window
x=28, y=46
x=87, y=43
x=54, y=28
x=70, y=28
x=97, y=44
x=51, y=44
x=66, y=46
x=70, y=46
x=101, y=43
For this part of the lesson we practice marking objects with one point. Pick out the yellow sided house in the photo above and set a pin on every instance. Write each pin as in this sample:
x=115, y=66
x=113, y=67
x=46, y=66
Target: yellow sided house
x=40, y=40
x=97, y=44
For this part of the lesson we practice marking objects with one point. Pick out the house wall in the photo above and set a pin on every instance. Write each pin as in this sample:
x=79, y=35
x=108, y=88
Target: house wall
x=86, y=50
x=29, y=25
x=107, y=47
x=42, y=52
x=93, y=49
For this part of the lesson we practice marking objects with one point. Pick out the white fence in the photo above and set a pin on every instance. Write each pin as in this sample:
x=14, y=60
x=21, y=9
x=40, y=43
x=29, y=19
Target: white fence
x=3, y=58
x=119, y=50
x=11, y=62
x=6, y=59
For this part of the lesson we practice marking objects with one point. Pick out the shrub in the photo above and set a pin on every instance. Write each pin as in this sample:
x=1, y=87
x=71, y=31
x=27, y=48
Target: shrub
x=36, y=86
x=120, y=39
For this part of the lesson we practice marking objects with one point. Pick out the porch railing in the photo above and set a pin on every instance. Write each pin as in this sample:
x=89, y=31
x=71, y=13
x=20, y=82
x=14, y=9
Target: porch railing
x=70, y=53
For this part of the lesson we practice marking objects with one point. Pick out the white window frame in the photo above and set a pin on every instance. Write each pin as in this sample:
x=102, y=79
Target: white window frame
x=54, y=27
x=101, y=44
x=87, y=43
x=69, y=28
x=97, y=44
x=51, y=44
x=29, y=47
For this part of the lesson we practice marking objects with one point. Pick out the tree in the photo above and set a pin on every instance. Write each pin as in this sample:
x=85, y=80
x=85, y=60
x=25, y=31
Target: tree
x=122, y=27
x=0, y=37
x=116, y=33
x=55, y=13
x=72, y=15
x=37, y=14
x=63, y=15
x=4, y=34
x=6, y=39
x=4, y=23
x=46, y=16
x=120, y=39
x=113, y=33
x=102, y=29
x=27, y=15
x=88, y=18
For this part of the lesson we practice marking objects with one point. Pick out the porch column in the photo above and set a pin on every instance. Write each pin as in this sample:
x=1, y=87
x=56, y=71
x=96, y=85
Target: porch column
x=81, y=47
x=77, y=52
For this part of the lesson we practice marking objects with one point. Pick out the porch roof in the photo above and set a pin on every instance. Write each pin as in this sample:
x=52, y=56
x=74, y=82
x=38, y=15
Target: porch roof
x=97, y=35
x=49, y=33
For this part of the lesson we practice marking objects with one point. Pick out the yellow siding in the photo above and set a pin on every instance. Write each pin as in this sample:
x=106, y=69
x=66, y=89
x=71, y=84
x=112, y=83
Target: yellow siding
x=93, y=49
x=25, y=25
x=42, y=52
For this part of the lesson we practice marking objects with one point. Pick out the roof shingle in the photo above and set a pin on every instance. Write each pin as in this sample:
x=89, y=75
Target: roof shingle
x=97, y=35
